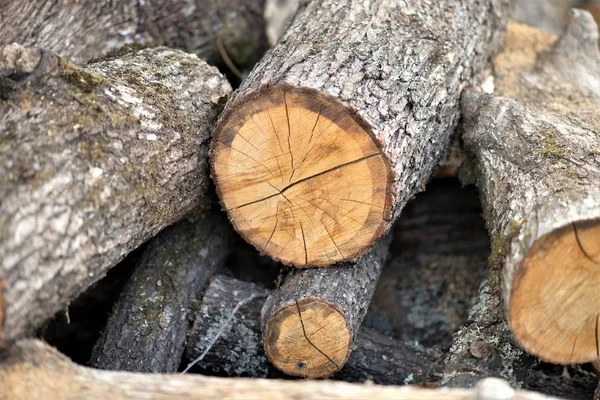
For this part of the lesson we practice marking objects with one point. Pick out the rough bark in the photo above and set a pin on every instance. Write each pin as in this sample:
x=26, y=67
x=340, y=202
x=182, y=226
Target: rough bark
x=535, y=160
x=147, y=329
x=95, y=161
x=577, y=385
x=239, y=350
x=395, y=68
x=310, y=323
x=32, y=369
x=437, y=261
x=85, y=29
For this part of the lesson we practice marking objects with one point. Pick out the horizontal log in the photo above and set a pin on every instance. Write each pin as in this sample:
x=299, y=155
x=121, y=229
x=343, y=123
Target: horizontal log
x=239, y=349
x=533, y=148
x=147, y=328
x=87, y=29
x=32, y=369
x=345, y=120
x=95, y=160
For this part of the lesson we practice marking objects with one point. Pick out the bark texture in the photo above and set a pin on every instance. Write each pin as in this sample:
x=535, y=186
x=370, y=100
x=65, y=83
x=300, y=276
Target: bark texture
x=95, y=161
x=85, y=29
x=147, y=329
x=347, y=289
x=32, y=369
x=239, y=350
x=535, y=157
x=397, y=66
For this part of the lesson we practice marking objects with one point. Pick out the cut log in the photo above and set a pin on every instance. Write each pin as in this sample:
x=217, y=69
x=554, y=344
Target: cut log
x=95, y=160
x=310, y=323
x=239, y=350
x=535, y=159
x=147, y=329
x=34, y=370
x=345, y=119
x=87, y=29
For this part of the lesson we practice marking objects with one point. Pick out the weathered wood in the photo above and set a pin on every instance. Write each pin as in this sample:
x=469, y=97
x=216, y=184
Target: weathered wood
x=535, y=160
x=345, y=119
x=565, y=387
x=239, y=350
x=85, y=29
x=147, y=329
x=32, y=369
x=310, y=323
x=95, y=160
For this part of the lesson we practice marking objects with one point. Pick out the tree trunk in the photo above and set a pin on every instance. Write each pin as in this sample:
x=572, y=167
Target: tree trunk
x=85, y=29
x=239, y=350
x=95, y=161
x=535, y=160
x=34, y=370
x=310, y=323
x=345, y=119
x=147, y=329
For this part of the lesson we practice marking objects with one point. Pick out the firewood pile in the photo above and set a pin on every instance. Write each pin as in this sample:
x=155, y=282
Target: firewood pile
x=324, y=199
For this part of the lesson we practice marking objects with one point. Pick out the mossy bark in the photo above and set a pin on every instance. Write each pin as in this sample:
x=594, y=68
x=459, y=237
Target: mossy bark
x=95, y=160
x=147, y=329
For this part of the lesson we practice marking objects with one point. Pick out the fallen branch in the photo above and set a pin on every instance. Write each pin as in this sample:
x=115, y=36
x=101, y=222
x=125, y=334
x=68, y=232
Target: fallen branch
x=32, y=369
x=147, y=329
x=345, y=119
x=95, y=160
x=87, y=29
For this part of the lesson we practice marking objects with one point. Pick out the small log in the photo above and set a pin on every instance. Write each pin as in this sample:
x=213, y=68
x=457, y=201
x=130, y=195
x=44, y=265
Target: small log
x=535, y=160
x=33, y=370
x=345, y=119
x=95, y=160
x=239, y=350
x=147, y=329
x=86, y=29
x=309, y=324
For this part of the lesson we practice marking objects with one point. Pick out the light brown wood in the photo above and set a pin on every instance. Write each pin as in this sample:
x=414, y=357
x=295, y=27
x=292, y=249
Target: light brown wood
x=34, y=370
x=309, y=339
x=301, y=177
x=555, y=304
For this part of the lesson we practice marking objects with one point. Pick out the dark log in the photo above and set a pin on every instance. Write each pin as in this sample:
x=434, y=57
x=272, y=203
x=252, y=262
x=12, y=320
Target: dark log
x=577, y=385
x=147, y=329
x=85, y=29
x=310, y=323
x=34, y=370
x=239, y=349
x=94, y=161
x=535, y=158
x=346, y=119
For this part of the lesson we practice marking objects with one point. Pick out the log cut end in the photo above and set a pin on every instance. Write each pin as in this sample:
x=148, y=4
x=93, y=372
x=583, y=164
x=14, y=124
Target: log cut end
x=554, y=306
x=309, y=339
x=301, y=176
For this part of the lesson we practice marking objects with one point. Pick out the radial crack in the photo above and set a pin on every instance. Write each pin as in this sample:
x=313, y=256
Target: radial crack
x=585, y=253
x=308, y=339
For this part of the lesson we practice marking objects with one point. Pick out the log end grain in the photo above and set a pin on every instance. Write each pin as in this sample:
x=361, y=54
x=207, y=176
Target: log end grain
x=554, y=305
x=309, y=339
x=302, y=177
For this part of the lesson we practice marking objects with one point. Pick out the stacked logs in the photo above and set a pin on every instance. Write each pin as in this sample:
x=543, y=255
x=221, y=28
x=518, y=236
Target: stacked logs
x=313, y=158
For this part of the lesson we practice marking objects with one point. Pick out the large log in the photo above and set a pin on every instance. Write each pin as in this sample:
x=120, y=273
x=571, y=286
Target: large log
x=345, y=119
x=239, y=349
x=535, y=159
x=85, y=29
x=147, y=329
x=95, y=160
x=34, y=370
x=310, y=323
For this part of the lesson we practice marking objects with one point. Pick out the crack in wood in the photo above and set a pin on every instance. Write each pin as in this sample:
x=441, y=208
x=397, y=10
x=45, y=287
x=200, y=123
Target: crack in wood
x=597, y=344
x=308, y=339
x=287, y=116
x=583, y=251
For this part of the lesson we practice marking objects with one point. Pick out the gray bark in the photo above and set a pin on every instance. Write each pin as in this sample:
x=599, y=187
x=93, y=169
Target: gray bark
x=84, y=29
x=147, y=329
x=239, y=350
x=399, y=65
x=94, y=161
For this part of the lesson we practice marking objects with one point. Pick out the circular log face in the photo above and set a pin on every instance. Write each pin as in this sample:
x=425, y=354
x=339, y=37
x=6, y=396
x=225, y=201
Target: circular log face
x=555, y=303
x=301, y=177
x=309, y=339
